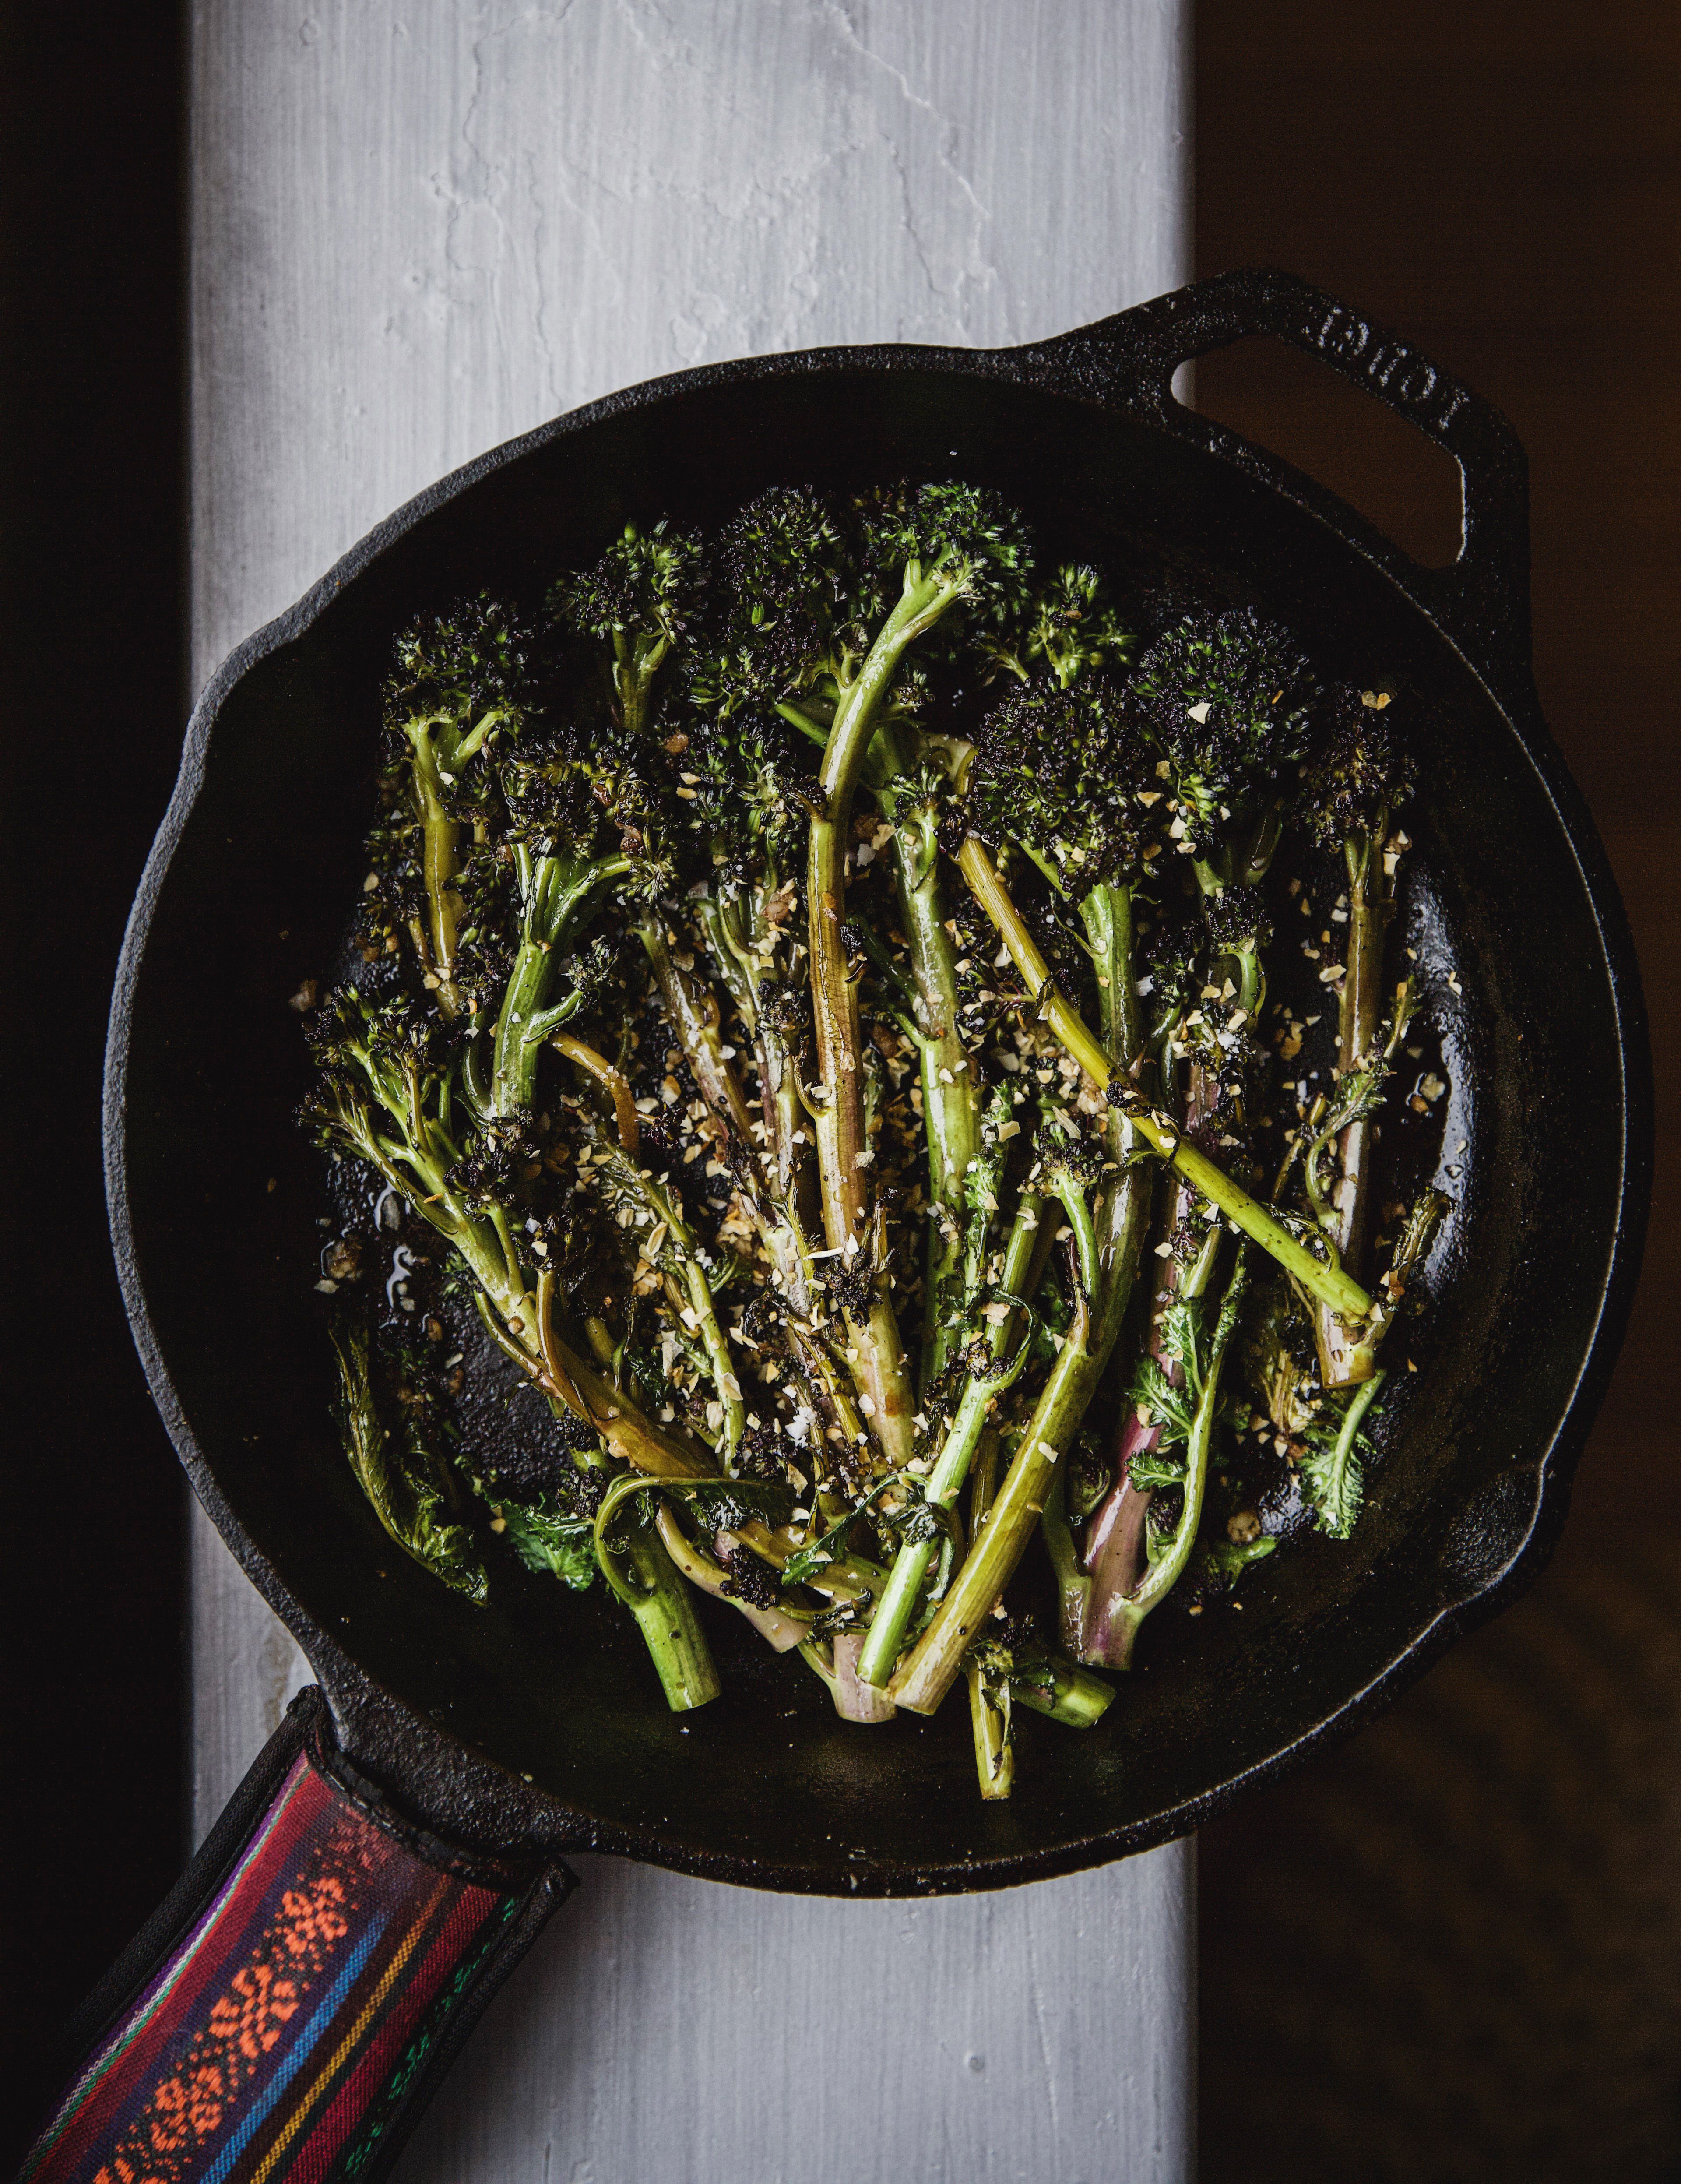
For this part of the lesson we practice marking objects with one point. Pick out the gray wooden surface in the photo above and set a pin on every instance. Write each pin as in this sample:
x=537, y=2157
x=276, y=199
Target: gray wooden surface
x=418, y=229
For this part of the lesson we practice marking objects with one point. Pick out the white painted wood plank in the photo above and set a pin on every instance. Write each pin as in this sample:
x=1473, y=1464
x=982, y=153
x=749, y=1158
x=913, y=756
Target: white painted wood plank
x=673, y=2031
x=417, y=230
x=421, y=229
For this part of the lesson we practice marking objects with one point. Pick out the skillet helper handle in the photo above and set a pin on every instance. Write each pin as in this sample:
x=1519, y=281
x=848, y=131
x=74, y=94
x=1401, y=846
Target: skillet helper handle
x=1482, y=599
x=289, y=2010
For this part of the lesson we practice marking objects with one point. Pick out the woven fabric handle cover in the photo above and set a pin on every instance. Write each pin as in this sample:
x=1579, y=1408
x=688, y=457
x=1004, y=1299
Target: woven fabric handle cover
x=290, y=2009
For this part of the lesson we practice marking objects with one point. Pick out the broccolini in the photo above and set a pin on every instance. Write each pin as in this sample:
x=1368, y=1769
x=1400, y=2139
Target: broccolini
x=812, y=1022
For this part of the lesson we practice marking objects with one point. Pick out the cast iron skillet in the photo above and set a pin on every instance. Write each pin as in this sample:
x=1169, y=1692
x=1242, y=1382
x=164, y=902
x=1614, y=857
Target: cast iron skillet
x=533, y=1725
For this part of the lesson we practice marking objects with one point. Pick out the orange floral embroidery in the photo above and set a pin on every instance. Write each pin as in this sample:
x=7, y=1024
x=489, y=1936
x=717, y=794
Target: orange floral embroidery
x=185, y=2107
x=252, y=2016
x=315, y=1918
x=244, y=2022
x=119, y=2171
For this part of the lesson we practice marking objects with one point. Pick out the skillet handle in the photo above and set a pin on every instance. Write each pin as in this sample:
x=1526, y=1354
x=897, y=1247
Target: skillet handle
x=1481, y=599
x=291, y=2008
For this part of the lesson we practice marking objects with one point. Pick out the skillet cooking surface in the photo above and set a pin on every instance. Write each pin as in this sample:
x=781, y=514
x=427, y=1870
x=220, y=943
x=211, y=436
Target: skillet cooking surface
x=247, y=894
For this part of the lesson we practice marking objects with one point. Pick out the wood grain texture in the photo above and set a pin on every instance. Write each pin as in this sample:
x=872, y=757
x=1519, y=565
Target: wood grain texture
x=1448, y=1949
x=416, y=231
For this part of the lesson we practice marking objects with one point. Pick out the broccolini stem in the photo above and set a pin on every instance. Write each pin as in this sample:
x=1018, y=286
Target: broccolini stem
x=561, y=1373
x=718, y=1357
x=1107, y=913
x=1108, y=1264
x=513, y=1057
x=1113, y=1643
x=983, y=1485
x=1328, y=1283
x=991, y=1721
x=1073, y=1586
x=624, y=1116
x=824, y=1383
x=660, y=1216
x=497, y=1218
x=1074, y=1204
x=1073, y=1696
x=741, y=965
x=855, y=1700
x=630, y=1436
x=698, y=1021
x=839, y=1126
x=1115, y=1536
x=650, y=1587
x=911, y=1564
x=926, y=1674
x=781, y=1631
x=1344, y=1357
x=476, y=1237
x=897, y=1604
x=980, y=1392
x=637, y=658
x=692, y=1009
x=784, y=1119
x=989, y=1717
x=951, y=1109
x=1413, y=1242
x=439, y=838
x=556, y=891
x=1269, y=826
x=1115, y=1552
x=816, y=1658
x=439, y=868
x=839, y=1119
x=718, y=920
x=652, y=1591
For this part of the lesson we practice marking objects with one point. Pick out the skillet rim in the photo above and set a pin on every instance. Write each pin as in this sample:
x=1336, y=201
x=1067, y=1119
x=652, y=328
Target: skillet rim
x=1123, y=363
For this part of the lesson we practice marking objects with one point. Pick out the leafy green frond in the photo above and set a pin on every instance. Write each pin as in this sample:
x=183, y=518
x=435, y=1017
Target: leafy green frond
x=1169, y=1407
x=1335, y=1451
x=404, y=1488
x=551, y=1541
x=1184, y=1341
x=1149, y=1468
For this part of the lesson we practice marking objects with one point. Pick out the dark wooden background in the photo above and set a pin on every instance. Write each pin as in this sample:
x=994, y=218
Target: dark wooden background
x=1452, y=1950
x=92, y=690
